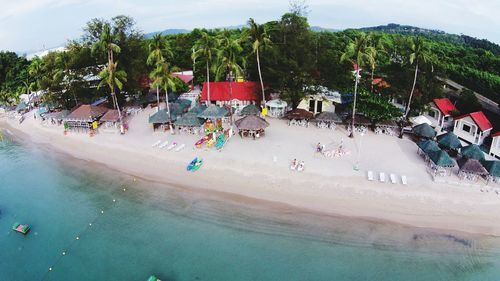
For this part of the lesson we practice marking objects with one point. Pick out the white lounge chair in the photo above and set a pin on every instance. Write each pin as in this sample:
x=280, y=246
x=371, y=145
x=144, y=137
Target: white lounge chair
x=393, y=178
x=163, y=144
x=173, y=145
x=404, y=180
x=382, y=177
x=179, y=147
x=370, y=175
x=156, y=143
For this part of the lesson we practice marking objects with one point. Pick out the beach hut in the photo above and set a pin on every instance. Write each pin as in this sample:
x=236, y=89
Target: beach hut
x=441, y=163
x=214, y=114
x=388, y=127
x=110, y=121
x=470, y=169
x=276, y=108
x=189, y=123
x=250, y=109
x=424, y=130
x=162, y=118
x=84, y=118
x=449, y=141
x=327, y=119
x=197, y=109
x=299, y=117
x=185, y=104
x=472, y=151
x=493, y=168
x=251, y=125
x=427, y=146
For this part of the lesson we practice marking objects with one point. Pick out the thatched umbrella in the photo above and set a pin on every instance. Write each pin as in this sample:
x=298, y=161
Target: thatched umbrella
x=471, y=166
x=472, y=151
x=360, y=120
x=428, y=146
x=197, y=109
x=162, y=117
x=251, y=123
x=213, y=112
x=299, y=114
x=189, y=120
x=493, y=167
x=424, y=130
x=442, y=159
x=184, y=103
x=449, y=140
x=327, y=116
x=250, y=109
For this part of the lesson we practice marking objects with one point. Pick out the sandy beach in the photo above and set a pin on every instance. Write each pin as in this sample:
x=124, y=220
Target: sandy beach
x=249, y=170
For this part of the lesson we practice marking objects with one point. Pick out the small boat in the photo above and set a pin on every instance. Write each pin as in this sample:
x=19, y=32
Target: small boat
x=197, y=165
x=192, y=163
x=203, y=140
x=153, y=278
x=221, y=140
x=21, y=228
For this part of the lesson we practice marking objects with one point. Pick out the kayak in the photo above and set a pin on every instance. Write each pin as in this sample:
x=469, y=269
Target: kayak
x=192, y=164
x=197, y=165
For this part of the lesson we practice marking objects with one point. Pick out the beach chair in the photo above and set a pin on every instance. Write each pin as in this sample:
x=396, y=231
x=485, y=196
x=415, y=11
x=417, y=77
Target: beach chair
x=382, y=177
x=393, y=178
x=179, y=147
x=156, y=143
x=370, y=175
x=163, y=144
x=404, y=180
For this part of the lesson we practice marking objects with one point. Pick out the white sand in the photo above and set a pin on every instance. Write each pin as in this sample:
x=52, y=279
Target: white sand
x=328, y=185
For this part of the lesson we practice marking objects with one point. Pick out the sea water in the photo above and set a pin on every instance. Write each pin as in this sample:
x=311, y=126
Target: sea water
x=92, y=223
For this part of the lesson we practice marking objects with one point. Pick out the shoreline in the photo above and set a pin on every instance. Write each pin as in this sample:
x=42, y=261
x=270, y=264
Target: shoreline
x=347, y=197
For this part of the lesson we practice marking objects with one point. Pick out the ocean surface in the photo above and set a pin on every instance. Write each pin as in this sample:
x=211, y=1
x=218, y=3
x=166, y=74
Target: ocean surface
x=129, y=229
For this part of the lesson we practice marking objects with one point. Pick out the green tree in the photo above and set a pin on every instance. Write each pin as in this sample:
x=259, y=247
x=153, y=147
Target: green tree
x=358, y=53
x=159, y=50
x=377, y=108
x=110, y=75
x=420, y=54
x=206, y=47
x=257, y=35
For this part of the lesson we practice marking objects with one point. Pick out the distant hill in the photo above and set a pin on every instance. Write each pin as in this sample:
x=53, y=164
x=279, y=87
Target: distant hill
x=436, y=35
x=170, y=31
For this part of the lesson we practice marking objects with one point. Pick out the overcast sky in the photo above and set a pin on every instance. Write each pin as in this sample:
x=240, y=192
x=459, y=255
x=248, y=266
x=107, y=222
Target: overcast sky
x=27, y=25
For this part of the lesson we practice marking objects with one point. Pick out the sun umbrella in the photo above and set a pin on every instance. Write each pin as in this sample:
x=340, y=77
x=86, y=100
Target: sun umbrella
x=299, y=114
x=472, y=151
x=441, y=158
x=189, y=120
x=449, y=140
x=197, y=109
x=492, y=166
x=327, y=116
x=250, y=109
x=471, y=166
x=162, y=117
x=428, y=146
x=424, y=130
x=213, y=112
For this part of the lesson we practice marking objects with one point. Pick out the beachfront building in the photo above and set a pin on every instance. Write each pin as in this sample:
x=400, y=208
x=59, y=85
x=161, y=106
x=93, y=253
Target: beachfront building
x=276, y=108
x=241, y=95
x=110, y=122
x=84, y=119
x=473, y=127
x=495, y=145
x=439, y=113
x=323, y=99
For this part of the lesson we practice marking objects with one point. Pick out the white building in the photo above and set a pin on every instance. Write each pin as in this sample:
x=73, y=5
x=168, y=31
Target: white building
x=323, y=100
x=495, y=145
x=439, y=113
x=473, y=127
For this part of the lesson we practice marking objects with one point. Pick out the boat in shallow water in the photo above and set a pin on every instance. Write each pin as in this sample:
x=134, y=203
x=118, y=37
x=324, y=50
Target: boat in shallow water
x=21, y=228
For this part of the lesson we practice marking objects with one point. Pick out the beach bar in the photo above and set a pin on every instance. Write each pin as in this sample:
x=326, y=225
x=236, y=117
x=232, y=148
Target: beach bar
x=84, y=119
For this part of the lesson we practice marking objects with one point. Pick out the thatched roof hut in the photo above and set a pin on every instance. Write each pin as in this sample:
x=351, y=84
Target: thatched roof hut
x=162, y=117
x=185, y=104
x=86, y=113
x=213, y=112
x=424, y=130
x=493, y=167
x=388, y=123
x=441, y=158
x=110, y=116
x=327, y=116
x=428, y=146
x=449, y=140
x=299, y=114
x=197, y=109
x=251, y=123
x=471, y=166
x=250, y=109
x=358, y=120
x=59, y=115
x=189, y=120
x=472, y=151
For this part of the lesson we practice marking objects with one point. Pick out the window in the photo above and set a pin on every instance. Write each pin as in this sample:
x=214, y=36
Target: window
x=466, y=128
x=432, y=113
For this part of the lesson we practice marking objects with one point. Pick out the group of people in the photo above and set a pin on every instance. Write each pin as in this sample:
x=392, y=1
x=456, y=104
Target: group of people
x=297, y=166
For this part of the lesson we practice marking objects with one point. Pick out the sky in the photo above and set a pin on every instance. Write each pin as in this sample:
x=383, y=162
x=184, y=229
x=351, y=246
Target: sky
x=33, y=25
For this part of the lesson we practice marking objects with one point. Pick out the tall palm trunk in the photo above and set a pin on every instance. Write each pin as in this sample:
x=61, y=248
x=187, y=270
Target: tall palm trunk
x=168, y=110
x=113, y=94
x=231, y=96
x=373, y=70
x=260, y=77
x=412, y=89
x=158, y=98
x=354, y=103
x=208, y=84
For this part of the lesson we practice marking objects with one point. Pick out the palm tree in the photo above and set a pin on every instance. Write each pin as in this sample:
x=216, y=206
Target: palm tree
x=257, y=35
x=373, y=56
x=35, y=72
x=110, y=75
x=158, y=51
x=419, y=54
x=206, y=47
x=228, y=58
x=358, y=53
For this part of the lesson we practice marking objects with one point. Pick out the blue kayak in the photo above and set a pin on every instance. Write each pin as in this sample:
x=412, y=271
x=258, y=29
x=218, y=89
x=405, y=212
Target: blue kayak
x=192, y=164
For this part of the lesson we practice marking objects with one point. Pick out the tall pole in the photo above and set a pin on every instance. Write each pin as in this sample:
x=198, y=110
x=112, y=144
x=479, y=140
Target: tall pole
x=231, y=96
x=354, y=102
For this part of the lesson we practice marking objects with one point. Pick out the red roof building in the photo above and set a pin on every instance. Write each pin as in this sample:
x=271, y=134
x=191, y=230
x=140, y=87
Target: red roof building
x=445, y=106
x=243, y=93
x=473, y=127
x=497, y=134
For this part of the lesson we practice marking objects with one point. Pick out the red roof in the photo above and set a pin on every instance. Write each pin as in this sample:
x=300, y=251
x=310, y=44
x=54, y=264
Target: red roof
x=220, y=91
x=184, y=77
x=497, y=134
x=480, y=119
x=445, y=106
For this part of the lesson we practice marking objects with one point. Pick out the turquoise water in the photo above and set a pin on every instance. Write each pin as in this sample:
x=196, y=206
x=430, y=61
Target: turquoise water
x=180, y=234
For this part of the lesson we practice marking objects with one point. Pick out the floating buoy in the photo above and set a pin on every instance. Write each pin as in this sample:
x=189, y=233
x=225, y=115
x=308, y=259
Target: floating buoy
x=50, y=268
x=77, y=238
x=102, y=212
x=124, y=189
x=90, y=224
x=64, y=253
x=114, y=200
